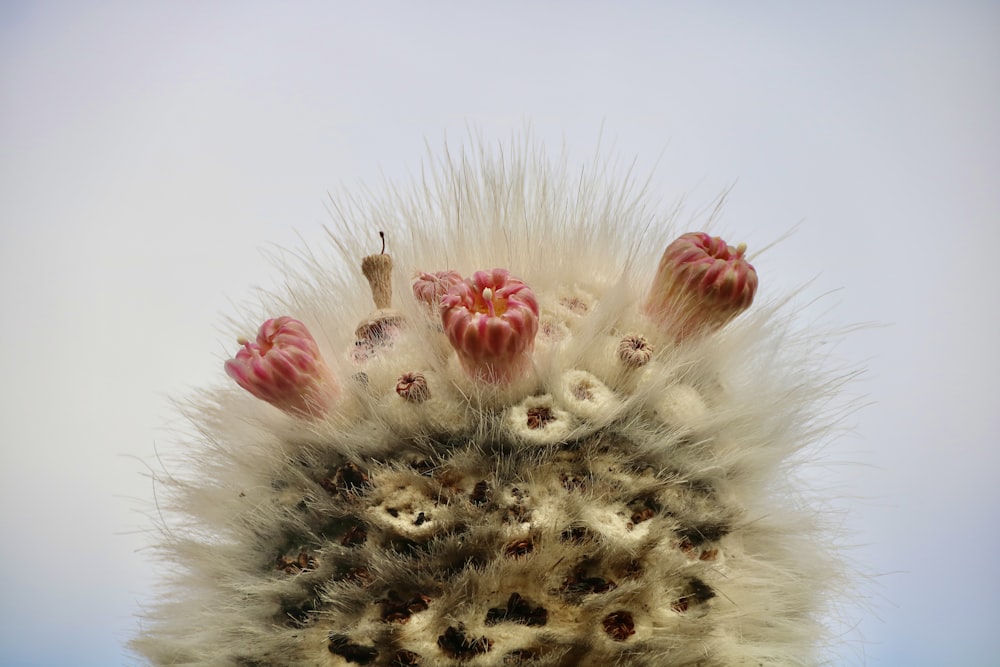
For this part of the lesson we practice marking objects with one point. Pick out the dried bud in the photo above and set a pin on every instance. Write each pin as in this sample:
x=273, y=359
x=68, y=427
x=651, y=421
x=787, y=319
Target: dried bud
x=429, y=288
x=413, y=387
x=284, y=368
x=700, y=285
x=378, y=271
x=635, y=351
x=491, y=320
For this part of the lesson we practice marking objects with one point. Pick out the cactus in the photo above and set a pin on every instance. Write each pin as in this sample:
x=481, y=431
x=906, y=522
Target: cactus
x=576, y=459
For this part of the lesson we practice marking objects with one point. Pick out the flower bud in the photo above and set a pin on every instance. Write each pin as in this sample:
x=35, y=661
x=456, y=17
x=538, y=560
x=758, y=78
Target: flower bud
x=284, y=368
x=701, y=284
x=429, y=288
x=491, y=320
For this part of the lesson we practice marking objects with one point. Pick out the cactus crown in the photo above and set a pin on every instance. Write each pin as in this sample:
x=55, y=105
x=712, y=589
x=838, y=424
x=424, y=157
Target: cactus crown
x=560, y=462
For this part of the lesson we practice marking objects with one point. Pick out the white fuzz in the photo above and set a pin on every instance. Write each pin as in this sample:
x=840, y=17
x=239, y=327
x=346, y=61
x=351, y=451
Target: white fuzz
x=588, y=398
x=682, y=406
x=626, y=500
x=537, y=421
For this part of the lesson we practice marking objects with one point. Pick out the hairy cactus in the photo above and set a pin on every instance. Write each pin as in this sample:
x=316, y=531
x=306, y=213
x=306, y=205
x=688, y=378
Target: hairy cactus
x=586, y=464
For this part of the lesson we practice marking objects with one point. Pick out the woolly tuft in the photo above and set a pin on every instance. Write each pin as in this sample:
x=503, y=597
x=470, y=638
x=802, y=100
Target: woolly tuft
x=629, y=500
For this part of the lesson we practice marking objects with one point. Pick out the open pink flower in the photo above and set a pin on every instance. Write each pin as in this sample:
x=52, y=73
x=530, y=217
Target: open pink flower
x=491, y=320
x=284, y=368
x=701, y=284
x=429, y=288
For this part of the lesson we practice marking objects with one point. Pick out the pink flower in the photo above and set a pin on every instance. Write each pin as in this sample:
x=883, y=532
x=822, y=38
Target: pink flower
x=491, y=320
x=701, y=284
x=284, y=368
x=428, y=288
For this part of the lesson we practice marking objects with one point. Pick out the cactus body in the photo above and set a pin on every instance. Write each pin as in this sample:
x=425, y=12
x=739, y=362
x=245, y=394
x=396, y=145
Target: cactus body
x=599, y=493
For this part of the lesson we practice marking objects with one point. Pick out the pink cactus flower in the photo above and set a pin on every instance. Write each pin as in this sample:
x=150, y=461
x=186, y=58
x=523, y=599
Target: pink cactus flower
x=284, y=368
x=429, y=288
x=491, y=320
x=701, y=284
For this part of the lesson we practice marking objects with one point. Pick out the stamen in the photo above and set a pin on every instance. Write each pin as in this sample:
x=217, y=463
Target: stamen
x=488, y=298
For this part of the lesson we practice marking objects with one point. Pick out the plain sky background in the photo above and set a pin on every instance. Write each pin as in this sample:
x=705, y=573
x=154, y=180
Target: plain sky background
x=149, y=151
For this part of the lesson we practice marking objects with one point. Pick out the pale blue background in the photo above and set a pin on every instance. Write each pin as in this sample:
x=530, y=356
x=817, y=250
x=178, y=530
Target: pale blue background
x=148, y=151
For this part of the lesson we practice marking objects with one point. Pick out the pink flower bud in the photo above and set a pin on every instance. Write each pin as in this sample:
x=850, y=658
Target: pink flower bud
x=284, y=368
x=491, y=320
x=701, y=284
x=429, y=288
